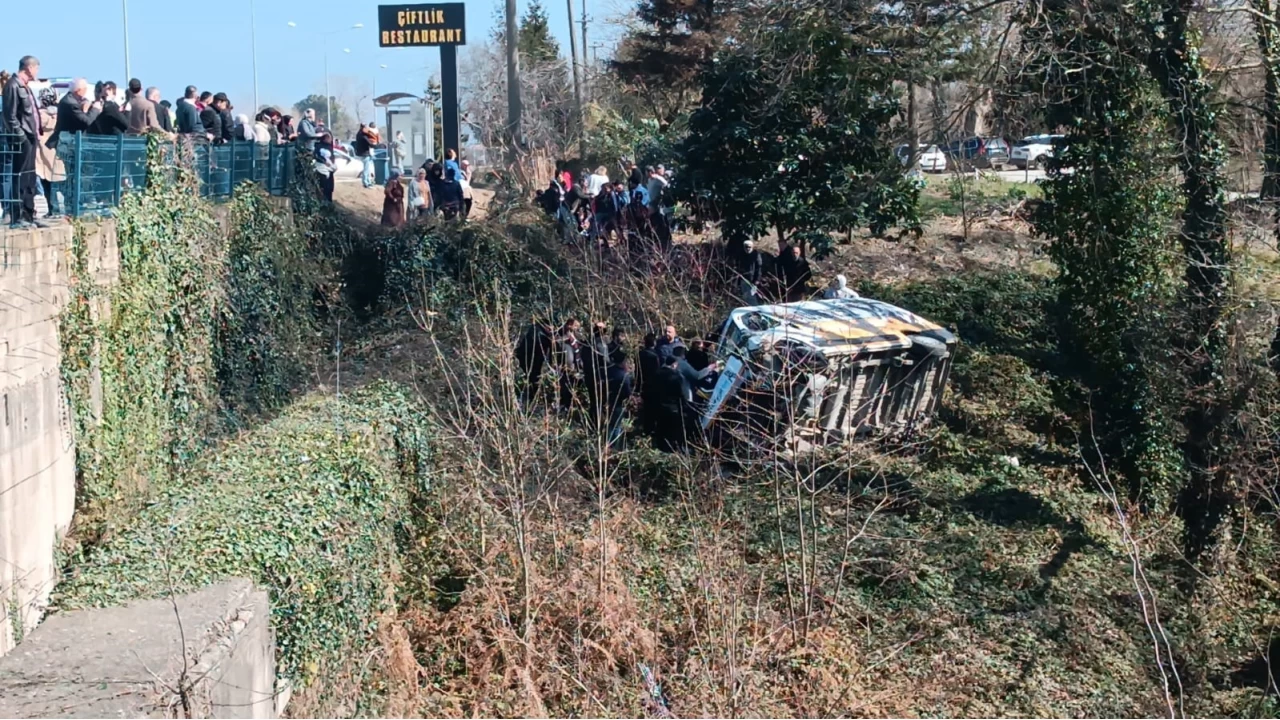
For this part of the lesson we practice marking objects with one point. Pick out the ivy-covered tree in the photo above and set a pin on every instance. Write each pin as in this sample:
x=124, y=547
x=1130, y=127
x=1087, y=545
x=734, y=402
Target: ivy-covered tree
x=1212, y=493
x=1107, y=210
x=792, y=136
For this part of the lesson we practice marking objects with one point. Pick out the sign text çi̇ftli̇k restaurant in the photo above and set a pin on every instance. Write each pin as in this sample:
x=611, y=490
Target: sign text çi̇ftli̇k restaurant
x=422, y=25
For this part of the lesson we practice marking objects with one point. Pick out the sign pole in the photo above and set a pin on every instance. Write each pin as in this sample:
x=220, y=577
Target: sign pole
x=442, y=25
x=449, y=98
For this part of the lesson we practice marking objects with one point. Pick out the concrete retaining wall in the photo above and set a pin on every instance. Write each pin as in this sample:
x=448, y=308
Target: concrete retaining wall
x=37, y=449
x=207, y=654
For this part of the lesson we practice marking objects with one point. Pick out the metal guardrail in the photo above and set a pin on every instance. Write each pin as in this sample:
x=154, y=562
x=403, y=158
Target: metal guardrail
x=99, y=169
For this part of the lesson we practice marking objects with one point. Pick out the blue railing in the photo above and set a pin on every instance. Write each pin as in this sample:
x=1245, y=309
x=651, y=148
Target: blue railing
x=94, y=171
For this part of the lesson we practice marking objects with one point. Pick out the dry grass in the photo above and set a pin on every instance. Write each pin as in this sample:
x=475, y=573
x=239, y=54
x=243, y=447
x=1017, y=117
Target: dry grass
x=933, y=578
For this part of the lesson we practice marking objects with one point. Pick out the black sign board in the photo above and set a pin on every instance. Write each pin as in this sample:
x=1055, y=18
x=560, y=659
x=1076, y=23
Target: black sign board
x=437, y=24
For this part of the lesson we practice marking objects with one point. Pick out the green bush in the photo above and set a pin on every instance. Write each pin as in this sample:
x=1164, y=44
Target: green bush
x=307, y=506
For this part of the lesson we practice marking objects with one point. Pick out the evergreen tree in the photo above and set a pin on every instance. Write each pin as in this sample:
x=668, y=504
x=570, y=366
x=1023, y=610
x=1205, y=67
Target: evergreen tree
x=792, y=135
x=537, y=47
x=663, y=57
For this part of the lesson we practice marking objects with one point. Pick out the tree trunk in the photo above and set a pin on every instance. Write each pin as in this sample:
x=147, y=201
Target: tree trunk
x=514, y=110
x=1268, y=33
x=913, y=130
x=1211, y=493
x=577, y=78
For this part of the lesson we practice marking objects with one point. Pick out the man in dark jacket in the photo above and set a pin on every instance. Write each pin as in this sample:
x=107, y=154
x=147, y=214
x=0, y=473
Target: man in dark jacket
x=594, y=357
x=794, y=272
x=620, y=385
x=188, y=115
x=566, y=351
x=22, y=123
x=75, y=113
x=669, y=340
x=111, y=120
x=647, y=364
x=670, y=411
x=211, y=121
x=228, y=122
x=533, y=352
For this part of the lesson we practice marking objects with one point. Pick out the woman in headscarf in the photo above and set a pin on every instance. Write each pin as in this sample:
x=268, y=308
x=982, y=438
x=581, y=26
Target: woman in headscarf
x=262, y=129
x=393, y=201
x=838, y=289
x=244, y=128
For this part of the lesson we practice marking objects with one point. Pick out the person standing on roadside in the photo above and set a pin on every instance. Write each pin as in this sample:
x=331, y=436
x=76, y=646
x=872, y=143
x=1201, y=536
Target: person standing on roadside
x=23, y=124
x=211, y=120
x=142, y=112
x=464, y=179
x=308, y=133
x=364, y=150
x=75, y=112
x=223, y=104
x=188, y=113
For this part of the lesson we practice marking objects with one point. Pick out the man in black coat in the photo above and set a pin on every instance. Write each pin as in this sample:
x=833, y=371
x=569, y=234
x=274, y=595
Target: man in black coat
x=620, y=386
x=211, y=118
x=671, y=414
x=188, y=115
x=533, y=352
x=111, y=120
x=22, y=123
x=794, y=272
x=75, y=113
x=594, y=357
x=228, y=122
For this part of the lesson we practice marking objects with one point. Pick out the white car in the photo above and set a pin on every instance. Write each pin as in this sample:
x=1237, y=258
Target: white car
x=931, y=158
x=1032, y=151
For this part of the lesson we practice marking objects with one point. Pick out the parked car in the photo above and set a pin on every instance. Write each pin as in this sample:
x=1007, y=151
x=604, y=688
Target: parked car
x=978, y=152
x=1032, y=151
x=931, y=158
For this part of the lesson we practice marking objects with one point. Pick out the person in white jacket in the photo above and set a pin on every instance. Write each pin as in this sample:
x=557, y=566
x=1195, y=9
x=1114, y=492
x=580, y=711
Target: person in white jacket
x=838, y=289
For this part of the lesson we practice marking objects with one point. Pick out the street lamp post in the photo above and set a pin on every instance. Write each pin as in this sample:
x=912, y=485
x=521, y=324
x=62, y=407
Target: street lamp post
x=328, y=101
x=127, y=73
x=375, y=96
x=253, y=41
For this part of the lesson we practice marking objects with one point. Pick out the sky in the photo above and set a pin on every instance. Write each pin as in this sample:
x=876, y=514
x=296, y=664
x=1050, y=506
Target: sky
x=172, y=45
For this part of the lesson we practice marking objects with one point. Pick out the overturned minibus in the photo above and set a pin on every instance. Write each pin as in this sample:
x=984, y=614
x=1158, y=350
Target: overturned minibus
x=824, y=371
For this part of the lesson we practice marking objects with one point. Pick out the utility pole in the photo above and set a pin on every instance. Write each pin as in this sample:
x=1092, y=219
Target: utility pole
x=514, y=110
x=586, y=76
x=577, y=79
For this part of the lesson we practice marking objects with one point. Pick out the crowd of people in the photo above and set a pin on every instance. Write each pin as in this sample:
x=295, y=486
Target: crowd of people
x=438, y=188
x=612, y=214
x=663, y=385
x=36, y=120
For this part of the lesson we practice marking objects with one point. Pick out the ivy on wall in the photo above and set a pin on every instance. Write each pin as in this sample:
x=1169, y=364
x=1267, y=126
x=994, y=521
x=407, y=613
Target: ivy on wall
x=309, y=506
x=203, y=323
